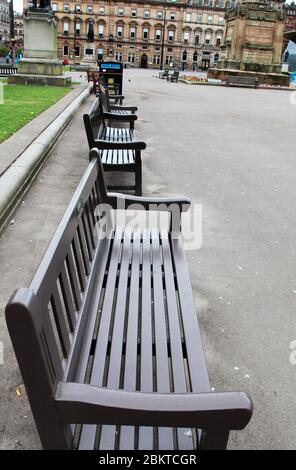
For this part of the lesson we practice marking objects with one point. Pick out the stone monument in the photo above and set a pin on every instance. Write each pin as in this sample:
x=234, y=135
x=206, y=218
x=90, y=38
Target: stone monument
x=253, y=42
x=40, y=64
x=89, y=58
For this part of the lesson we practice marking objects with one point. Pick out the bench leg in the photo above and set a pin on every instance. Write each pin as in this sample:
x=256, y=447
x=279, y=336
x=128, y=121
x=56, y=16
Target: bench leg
x=213, y=440
x=138, y=174
x=132, y=124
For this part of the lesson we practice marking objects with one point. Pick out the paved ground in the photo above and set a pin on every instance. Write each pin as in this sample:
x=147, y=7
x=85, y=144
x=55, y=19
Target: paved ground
x=233, y=151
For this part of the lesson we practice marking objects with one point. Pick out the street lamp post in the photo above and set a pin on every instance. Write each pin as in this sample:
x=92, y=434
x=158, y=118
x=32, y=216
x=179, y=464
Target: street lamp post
x=12, y=40
x=162, y=38
x=75, y=34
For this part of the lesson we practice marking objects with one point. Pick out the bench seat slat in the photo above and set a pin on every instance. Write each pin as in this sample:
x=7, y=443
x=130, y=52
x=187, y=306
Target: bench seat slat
x=165, y=435
x=100, y=355
x=195, y=356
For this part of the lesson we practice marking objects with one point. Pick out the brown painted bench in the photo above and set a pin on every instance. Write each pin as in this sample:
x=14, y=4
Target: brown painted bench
x=118, y=146
x=240, y=80
x=107, y=338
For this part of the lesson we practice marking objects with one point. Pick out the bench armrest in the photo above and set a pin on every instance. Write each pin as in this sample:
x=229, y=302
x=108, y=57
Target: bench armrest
x=108, y=145
x=133, y=109
x=146, y=203
x=86, y=404
x=120, y=117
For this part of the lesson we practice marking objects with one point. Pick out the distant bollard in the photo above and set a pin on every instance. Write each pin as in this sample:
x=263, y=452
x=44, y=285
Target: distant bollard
x=1, y=93
x=1, y=353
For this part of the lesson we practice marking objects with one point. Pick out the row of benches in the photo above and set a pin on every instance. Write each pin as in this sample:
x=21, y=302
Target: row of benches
x=106, y=335
x=6, y=70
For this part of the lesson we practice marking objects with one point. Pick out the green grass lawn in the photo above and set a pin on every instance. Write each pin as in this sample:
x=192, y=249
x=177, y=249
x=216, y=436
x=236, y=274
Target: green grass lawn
x=24, y=102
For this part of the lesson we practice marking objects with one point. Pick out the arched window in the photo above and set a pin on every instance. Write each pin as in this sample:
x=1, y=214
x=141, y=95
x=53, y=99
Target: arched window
x=216, y=57
x=184, y=56
x=195, y=56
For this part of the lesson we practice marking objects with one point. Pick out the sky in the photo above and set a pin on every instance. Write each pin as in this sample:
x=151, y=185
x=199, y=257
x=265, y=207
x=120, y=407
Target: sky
x=18, y=4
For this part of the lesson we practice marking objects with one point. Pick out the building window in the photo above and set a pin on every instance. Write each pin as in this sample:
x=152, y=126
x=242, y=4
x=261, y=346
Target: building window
x=210, y=19
x=54, y=6
x=216, y=58
x=132, y=47
x=77, y=29
x=222, y=3
x=158, y=35
x=66, y=27
x=199, y=18
x=169, y=60
x=159, y=15
x=221, y=20
x=144, y=47
x=119, y=46
x=118, y=56
x=208, y=38
x=194, y=56
x=145, y=33
x=120, y=11
x=132, y=32
x=147, y=14
x=188, y=17
x=77, y=51
x=197, y=39
x=134, y=12
x=172, y=15
x=89, y=9
x=119, y=31
x=156, y=59
x=66, y=50
x=101, y=30
x=200, y=2
x=184, y=56
x=131, y=57
x=170, y=49
x=171, y=35
x=186, y=37
x=100, y=54
x=66, y=8
x=218, y=41
x=77, y=9
x=157, y=49
x=211, y=3
x=102, y=10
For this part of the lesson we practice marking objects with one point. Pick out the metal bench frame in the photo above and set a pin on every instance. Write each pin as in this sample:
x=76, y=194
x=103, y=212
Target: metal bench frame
x=59, y=328
x=241, y=81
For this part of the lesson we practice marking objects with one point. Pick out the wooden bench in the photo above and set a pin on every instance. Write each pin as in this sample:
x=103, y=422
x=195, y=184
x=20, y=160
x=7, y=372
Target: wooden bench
x=107, y=339
x=107, y=107
x=173, y=76
x=118, y=146
x=6, y=70
x=163, y=74
x=239, y=80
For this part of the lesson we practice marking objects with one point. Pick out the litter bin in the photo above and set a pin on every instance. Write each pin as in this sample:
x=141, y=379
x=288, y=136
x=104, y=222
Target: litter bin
x=111, y=75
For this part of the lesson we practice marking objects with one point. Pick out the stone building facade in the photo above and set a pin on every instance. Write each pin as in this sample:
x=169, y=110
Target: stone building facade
x=143, y=33
x=290, y=10
x=4, y=21
x=18, y=28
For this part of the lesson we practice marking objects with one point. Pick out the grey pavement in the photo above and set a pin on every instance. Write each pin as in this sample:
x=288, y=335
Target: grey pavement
x=233, y=151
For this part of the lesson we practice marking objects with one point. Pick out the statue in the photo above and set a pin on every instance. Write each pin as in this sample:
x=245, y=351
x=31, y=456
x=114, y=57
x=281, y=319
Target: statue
x=90, y=33
x=43, y=5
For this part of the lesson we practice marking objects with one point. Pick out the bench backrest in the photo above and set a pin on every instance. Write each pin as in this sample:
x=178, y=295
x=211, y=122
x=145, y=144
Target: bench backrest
x=104, y=96
x=94, y=122
x=49, y=320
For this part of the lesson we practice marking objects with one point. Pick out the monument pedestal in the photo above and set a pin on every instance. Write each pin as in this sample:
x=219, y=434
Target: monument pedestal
x=89, y=59
x=253, y=42
x=40, y=64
